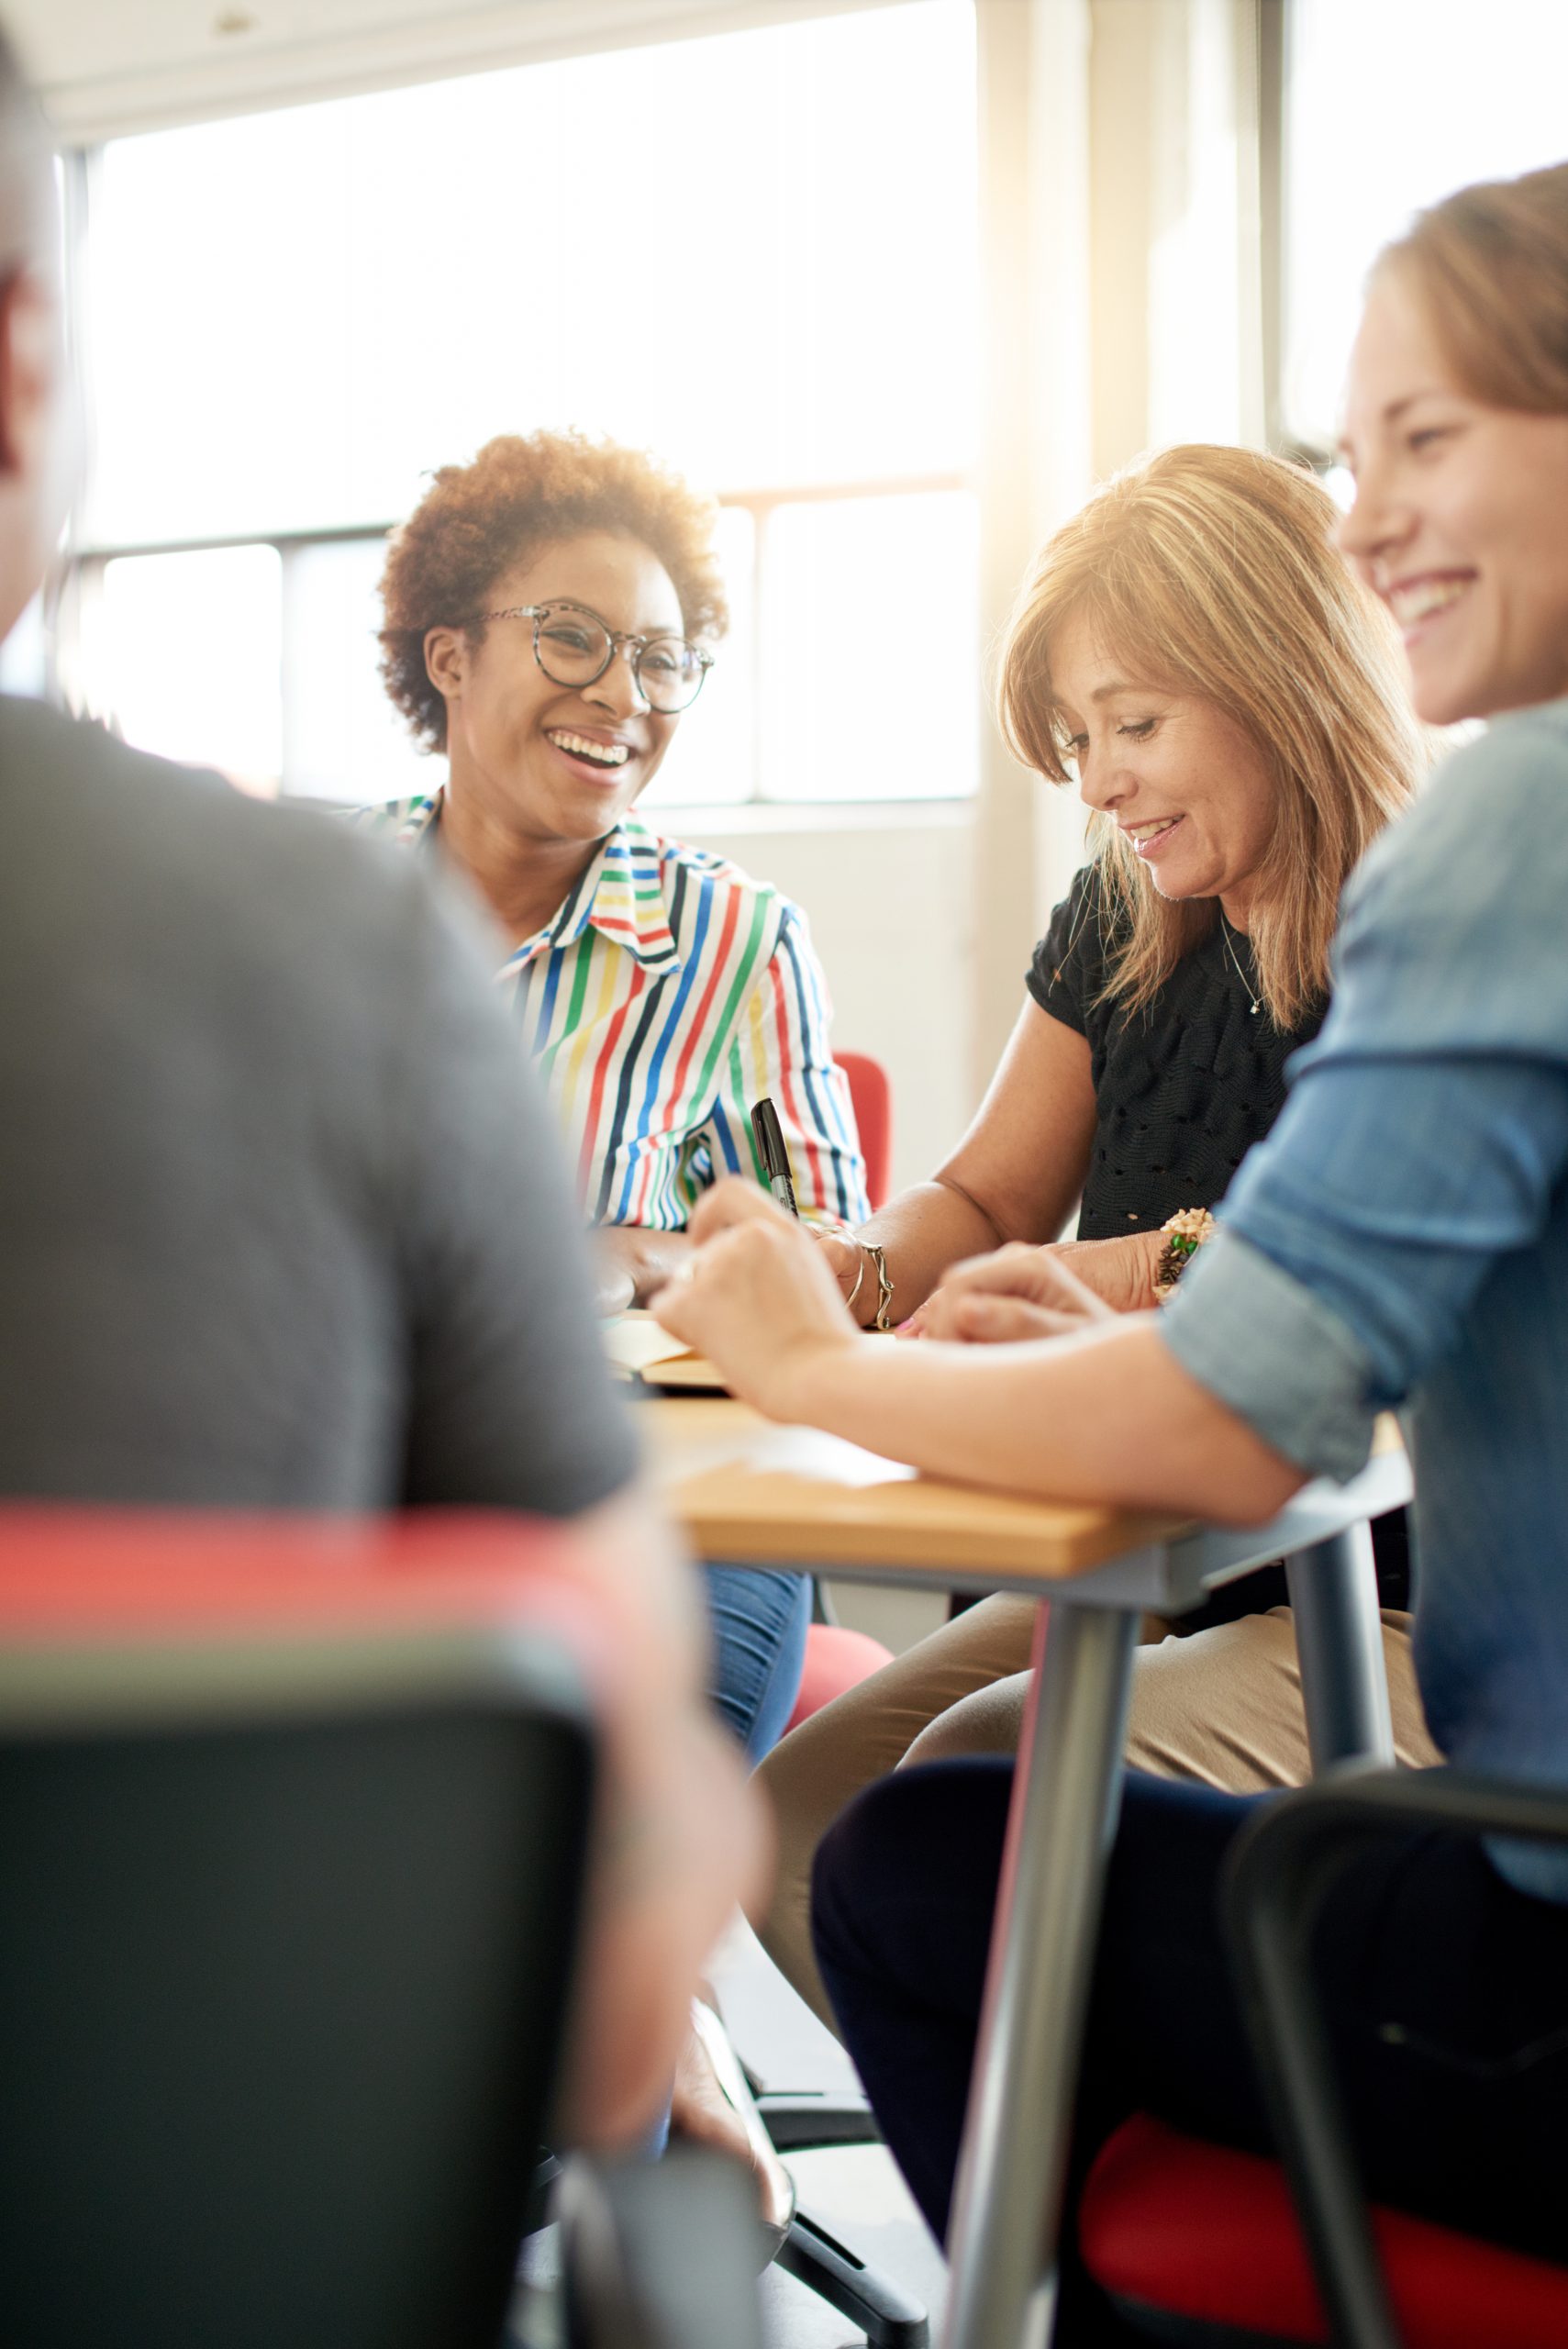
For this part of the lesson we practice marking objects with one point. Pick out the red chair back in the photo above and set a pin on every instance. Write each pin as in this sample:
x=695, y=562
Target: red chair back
x=836, y=1659
x=872, y=1098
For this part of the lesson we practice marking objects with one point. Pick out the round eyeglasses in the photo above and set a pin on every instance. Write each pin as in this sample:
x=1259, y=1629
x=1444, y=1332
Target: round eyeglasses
x=573, y=647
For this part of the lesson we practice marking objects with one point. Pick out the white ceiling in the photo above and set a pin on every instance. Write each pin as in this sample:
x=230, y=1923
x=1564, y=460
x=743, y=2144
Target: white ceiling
x=105, y=66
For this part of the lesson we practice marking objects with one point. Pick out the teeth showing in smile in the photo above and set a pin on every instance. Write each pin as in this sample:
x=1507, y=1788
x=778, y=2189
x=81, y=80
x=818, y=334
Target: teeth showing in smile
x=602, y=754
x=1141, y=834
x=1424, y=596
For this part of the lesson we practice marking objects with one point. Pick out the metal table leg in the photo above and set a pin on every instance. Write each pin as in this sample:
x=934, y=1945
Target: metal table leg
x=1338, y=1638
x=1066, y=1794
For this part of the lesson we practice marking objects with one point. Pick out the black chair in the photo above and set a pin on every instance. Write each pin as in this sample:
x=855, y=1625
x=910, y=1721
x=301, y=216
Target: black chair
x=1200, y=2243
x=288, y=1910
x=1282, y=1870
x=889, y=2317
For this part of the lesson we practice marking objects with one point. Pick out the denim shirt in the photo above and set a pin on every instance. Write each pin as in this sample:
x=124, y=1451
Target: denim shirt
x=1400, y=1241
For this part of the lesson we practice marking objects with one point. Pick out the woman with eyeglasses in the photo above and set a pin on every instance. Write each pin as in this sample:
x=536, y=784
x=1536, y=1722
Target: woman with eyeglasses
x=550, y=613
x=1399, y=1239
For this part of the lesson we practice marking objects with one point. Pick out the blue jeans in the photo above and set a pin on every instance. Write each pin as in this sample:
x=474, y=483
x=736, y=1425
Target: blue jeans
x=760, y=1618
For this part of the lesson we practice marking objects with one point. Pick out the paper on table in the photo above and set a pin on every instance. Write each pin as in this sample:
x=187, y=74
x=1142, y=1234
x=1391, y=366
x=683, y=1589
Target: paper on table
x=640, y=1349
x=634, y=1341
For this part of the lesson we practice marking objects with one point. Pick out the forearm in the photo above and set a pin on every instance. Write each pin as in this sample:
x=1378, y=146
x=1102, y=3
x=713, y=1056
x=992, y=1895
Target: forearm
x=922, y=1233
x=681, y=1837
x=632, y=1263
x=1109, y=1416
x=678, y=1839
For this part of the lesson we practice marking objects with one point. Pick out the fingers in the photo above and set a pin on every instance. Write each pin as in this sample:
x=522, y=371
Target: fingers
x=981, y=1321
x=733, y=1201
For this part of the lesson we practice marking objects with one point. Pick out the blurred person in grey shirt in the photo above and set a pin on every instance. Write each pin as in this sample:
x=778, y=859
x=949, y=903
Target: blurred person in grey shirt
x=285, y=1225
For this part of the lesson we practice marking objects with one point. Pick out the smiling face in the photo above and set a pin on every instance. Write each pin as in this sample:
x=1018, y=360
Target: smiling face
x=550, y=763
x=1185, y=785
x=1461, y=519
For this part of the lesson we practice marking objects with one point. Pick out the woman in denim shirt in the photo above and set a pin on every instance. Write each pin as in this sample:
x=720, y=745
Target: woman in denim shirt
x=1400, y=1238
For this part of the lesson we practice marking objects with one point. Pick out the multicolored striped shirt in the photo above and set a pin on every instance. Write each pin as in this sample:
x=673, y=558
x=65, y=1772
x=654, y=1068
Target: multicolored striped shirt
x=668, y=993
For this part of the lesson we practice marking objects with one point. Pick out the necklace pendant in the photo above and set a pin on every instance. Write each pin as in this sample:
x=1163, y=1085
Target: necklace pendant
x=1256, y=1009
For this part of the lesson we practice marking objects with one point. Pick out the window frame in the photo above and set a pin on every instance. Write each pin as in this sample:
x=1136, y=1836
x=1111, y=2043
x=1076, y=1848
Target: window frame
x=81, y=576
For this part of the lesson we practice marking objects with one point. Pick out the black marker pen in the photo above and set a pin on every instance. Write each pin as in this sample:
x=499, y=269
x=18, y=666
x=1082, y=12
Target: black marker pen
x=774, y=1157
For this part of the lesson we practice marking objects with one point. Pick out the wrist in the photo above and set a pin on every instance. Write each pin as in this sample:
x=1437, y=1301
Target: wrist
x=861, y=1273
x=803, y=1378
x=1183, y=1234
x=1151, y=1250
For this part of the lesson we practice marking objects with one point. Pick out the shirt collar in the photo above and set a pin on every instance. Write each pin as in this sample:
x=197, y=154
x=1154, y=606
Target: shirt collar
x=606, y=897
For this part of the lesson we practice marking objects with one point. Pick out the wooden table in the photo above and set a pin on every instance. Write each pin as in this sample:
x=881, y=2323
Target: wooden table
x=748, y=1491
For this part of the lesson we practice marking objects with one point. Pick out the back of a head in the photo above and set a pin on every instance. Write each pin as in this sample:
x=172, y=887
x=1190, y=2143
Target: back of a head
x=1489, y=266
x=1212, y=572
x=33, y=480
x=26, y=193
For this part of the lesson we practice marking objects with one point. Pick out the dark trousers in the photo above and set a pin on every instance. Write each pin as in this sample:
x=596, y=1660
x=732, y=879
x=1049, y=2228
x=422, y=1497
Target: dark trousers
x=1446, y=1994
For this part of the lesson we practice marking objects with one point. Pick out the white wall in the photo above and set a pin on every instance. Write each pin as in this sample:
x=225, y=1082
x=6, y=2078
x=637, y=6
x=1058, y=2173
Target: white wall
x=890, y=896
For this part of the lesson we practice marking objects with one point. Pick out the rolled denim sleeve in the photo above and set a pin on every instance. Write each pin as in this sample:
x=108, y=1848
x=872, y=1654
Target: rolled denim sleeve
x=1282, y=1361
x=1425, y=1130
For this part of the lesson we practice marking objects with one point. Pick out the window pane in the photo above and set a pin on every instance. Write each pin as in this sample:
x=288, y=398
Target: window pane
x=183, y=654
x=342, y=737
x=763, y=268
x=870, y=648
x=1390, y=107
x=713, y=757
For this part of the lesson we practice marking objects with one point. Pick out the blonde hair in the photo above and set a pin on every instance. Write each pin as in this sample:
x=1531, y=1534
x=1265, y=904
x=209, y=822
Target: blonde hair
x=1490, y=267
x=1211, y=572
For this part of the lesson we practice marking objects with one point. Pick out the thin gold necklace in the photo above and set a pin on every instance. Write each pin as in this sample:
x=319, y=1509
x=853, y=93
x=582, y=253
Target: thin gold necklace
x=1254, y=1002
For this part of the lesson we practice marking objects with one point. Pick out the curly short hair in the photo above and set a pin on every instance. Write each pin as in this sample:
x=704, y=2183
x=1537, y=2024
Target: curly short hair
x=523, y=493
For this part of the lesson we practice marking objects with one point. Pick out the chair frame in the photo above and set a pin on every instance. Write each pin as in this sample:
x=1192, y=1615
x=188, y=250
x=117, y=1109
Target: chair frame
x=1285, y=1863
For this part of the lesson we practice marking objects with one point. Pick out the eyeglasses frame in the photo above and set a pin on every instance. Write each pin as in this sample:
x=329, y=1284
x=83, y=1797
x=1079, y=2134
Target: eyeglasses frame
x=620, y=639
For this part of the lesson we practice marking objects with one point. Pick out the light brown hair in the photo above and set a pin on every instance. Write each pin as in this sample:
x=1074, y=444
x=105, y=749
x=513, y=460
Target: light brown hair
x=521, y=494
x=1211, y=572
x=1490, y=267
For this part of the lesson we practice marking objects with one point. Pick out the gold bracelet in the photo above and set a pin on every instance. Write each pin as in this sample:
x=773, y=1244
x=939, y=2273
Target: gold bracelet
x=884, y=1285
x=1189, y=1229
x=884, y=1278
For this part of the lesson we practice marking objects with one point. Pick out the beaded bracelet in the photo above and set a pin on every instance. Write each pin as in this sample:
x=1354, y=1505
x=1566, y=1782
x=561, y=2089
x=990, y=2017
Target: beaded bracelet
x=1188, y=1228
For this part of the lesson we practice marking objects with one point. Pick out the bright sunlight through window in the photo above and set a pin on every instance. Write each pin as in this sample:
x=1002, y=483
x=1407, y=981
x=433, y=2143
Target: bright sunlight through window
x=1390, y=107
x=753, y=253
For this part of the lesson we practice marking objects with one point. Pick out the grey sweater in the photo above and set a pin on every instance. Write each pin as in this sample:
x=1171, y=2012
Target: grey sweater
x=281, y=1222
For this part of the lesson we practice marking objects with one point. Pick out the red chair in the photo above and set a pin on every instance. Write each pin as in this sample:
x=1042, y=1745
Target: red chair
x=872, y=1095
x=1204, y=2242
x=836, y=1659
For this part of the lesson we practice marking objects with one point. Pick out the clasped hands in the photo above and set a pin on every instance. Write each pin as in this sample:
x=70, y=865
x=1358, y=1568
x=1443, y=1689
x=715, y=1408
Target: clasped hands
x=759, y=1297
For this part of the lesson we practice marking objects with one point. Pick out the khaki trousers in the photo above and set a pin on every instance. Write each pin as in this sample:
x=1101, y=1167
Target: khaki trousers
x=1223, y=1706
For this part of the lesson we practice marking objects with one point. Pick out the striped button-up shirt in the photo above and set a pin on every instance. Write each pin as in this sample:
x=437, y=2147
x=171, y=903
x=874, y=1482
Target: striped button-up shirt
x=668, y=993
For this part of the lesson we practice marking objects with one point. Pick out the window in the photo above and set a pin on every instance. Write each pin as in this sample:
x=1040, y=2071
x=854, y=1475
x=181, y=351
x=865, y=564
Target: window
x=752, y=253
x=1389, y=107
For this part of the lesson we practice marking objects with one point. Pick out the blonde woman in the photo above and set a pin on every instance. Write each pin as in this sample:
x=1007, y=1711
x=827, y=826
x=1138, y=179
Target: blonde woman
x=1399, y=1240
x=1228, y=699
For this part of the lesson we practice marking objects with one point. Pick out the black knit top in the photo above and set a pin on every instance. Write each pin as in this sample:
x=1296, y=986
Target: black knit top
x=1183, y=1087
